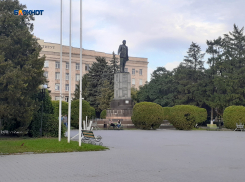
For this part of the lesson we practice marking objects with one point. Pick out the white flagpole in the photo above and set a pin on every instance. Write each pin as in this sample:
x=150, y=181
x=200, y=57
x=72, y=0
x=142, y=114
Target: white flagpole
x=69, y=105
x=81, y=71
x=60, y=104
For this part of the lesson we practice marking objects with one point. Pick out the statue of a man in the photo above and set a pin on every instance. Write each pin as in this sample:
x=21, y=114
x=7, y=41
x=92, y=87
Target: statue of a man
x=123, y=51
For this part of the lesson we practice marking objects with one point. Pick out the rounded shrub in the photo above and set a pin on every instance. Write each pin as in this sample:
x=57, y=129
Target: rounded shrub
x=147, y=115
x=103, y=114
x=185, y=117
x=56, y=104
x=201, y=115
x=86, y=110
x=233, y=115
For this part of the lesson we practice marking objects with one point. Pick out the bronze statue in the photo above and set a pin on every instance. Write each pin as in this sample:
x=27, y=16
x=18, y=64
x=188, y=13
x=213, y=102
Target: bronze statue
x=123, y=51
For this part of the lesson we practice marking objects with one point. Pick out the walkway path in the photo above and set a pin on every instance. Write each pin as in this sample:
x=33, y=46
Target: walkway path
x=138, y=156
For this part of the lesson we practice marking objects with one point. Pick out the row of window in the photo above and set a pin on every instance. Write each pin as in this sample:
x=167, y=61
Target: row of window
x=57, y=87
x=140, y=81
x=57, y=76
x=133, y=71
x=57, y=65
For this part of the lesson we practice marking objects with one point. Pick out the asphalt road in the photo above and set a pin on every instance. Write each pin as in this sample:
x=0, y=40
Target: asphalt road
x=137, y=155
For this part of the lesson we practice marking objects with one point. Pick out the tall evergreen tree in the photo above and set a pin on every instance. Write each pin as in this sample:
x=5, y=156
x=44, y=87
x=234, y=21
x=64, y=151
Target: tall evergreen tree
x=99, y=72
x=20, y=67
x=84, y=88
x=105, y=96
x=114, y=63
x=229, y=81
x=188, y=75
x=194, y=57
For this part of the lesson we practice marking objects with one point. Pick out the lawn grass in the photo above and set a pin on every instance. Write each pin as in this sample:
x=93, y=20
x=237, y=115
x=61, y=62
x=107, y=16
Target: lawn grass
x=44, y=145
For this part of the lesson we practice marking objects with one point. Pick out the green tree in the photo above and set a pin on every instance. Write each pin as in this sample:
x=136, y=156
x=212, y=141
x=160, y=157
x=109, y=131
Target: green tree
x=99, y=72
x=114, y=63
x=20, y=67
x=134, y=96
x=84, y=88
x=161, y=89
x=229, y=80
x=106, y=95
x=46, y=116
x=188, y=75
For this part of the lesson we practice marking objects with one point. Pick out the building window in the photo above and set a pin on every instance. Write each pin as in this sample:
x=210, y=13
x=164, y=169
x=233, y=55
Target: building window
x=45, y=74
x=57, y=64
x=77, y=66
x=57, y=98
x=133, y=81
x=126, y=69
x=67, y=76
x=86, y=67
x=140, y=71
x=67, y=65
x=57, y=86
x=140, y=81
x=45, y=64
x=77, y=77
x=67, y=87
x=133, y=71
x=57, y=75
x=66, y=98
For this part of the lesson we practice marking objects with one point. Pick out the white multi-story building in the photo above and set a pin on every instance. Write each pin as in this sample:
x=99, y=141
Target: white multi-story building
x=136, y=66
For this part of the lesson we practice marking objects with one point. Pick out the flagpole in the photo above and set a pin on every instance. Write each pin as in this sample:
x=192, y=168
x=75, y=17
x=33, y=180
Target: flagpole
x=69, y=105
x=81, y=71
x=60, y=103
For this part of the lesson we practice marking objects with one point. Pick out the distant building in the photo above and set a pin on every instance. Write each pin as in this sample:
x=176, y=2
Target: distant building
x=136, y=66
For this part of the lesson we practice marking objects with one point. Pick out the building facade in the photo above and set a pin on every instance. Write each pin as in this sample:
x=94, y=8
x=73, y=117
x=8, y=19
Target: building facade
x=136, y=66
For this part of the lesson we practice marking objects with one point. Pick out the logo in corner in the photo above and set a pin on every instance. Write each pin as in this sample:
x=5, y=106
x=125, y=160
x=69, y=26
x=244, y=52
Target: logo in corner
x=28, y=12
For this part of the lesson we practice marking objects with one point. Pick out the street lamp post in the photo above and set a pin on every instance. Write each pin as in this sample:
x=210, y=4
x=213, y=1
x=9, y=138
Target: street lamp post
x=43, y=88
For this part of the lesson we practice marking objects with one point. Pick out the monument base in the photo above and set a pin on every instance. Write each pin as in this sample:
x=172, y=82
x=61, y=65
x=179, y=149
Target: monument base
x=121, y=107
x=122, y=114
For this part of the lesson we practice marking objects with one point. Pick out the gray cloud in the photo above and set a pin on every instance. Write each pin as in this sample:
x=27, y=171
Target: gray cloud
x=150, y=26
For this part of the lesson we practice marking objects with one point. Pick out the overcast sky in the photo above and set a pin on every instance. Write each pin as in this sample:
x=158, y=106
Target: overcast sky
x=160, y=30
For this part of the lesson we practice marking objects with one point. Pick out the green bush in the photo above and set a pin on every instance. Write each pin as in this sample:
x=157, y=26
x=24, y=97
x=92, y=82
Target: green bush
x=86, y=110
x=233, y=115
x=201, y=115
x=166, y=111
x=147, y=115
x=56, y=103
x=103, y=114
x=185, y=117
x=50, y=123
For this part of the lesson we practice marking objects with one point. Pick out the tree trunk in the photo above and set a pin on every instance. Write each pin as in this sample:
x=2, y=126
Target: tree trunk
x=212, y=115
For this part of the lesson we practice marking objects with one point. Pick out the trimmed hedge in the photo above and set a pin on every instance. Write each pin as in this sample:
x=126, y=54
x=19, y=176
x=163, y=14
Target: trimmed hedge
x=103, y=114
x=185, y=117
x=147, y=115
x=233, y=115
x=201, y=115
x=56, y=103
x=86, y=110
x=166, y=111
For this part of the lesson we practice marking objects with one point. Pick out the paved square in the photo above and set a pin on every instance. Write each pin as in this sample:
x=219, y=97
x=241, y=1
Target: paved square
x=137, y=155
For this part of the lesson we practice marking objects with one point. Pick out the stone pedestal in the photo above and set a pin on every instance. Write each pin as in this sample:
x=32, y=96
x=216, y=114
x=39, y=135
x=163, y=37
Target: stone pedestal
x=121, y=106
